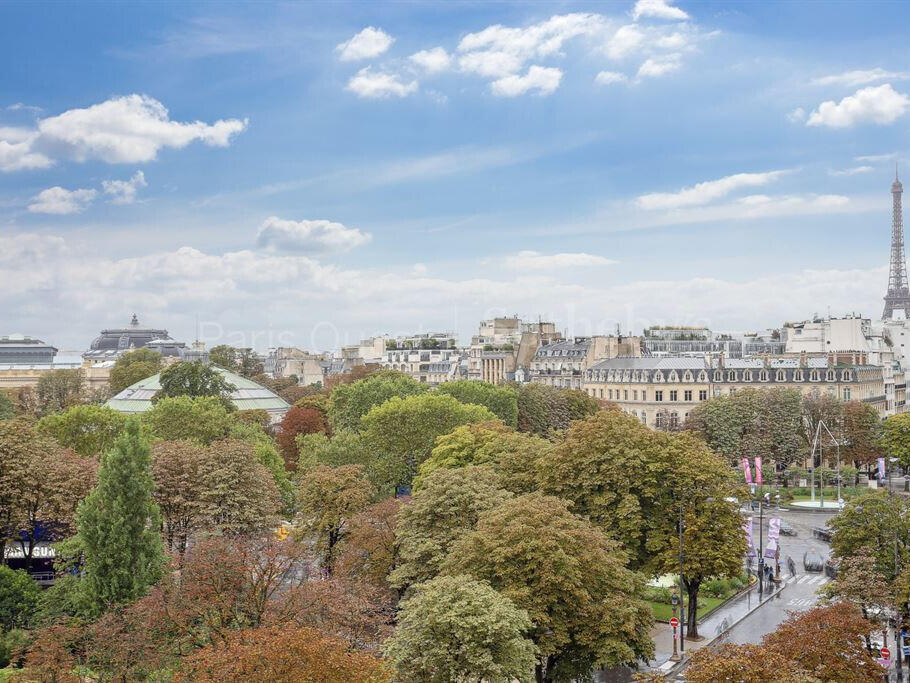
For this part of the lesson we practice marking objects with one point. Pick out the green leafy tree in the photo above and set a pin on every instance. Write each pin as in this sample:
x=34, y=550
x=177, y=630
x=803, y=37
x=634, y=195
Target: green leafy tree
x=193, y=379
x=350, y=402
x=514, y=456
x=877, y=524
x=88, y=429
x=177, y=470
x=132, y=367
x=570, y=579
x=242, y=361
x=224, y=356
x=118, y=524
x=862, y=433
x=542, y=409
x=267, y=454
x=612, y=467
x=19, y=595
x=202, y=419
x=580, y=404
x=7, y=407
x=457, y=629
x=699, y=485
x=445, y=507
x=57, y=390
x=501, y=401
x=329, y=498
x=343, y=448
x=403, y=431
x=896, y=437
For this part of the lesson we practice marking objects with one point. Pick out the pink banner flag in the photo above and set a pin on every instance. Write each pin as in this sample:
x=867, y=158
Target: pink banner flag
x=758, y=470
x=771, y=550
x=774, y=528
x=746, y=471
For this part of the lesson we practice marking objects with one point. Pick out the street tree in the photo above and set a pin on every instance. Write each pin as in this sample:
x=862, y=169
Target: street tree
x=454, y=628
x=862, y=433
x=118, y=525
x=369, y=552
x=57, y=390
x=176, y=470
x=350, y=402
x=699, y=487
x=580, y=405
x=570, y=579
x=860, y=582
x=19, y=595
x=896, y=437
x=329, y=498
x=445, y=507
x=132, y=367
x=501, y=401
x=743, y=664
x=90, y=430
x=542, y=409
x=7, y=407
x=874, y=523
x=403, y=432
x=612, y=468
x=243, y=361
x=201, y=419
x=193, y=379
x=297, y=421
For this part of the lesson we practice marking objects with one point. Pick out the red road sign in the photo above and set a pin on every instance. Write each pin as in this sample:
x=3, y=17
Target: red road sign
x=886, y=653
x=674, y=622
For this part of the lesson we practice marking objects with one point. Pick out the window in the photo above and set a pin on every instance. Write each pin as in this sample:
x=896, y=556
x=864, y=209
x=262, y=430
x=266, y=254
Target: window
x=601, y=393
x=798, y=376
x=673, y=377
x=718, y=376
x=659, y=420
x=846, y=393
x=658, y=395
x=687, y=396
x=674, y=420
x=644, y=417
x=687, y=377
x=674, y=395
x=847, y=375
x=635, y=394
x=829, y=375
x=781, y=376
x=703, y=395
x=610, y=392
x=625, y=394
x=747, y=375
x=763, y=376
x=731, y=376
x=644, y=395
x=814, y=376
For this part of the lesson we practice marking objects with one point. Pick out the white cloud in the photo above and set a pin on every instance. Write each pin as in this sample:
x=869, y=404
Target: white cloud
x=370, y=42
x=21, y=106
x=880, y=104
x=797, y=115
x=625, y=41
x=707, y=191
x=16, y=153
x=876, y=158
x=856, y=170
x=315, y=236
x=58, y=200
x=124, y=191
x=378, y=84
x=608, y=77
x=674, y=41
x=534, y=260
x=432, y=61
x=860, y=77
x=658, y=9
x=659, y=66
x=545, y=80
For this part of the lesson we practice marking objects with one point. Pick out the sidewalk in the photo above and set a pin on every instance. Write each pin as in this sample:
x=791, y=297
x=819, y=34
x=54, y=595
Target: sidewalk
x=718, y=623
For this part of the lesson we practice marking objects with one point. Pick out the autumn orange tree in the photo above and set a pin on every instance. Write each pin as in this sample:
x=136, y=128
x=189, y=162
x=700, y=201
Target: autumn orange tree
x=742, y=664
x=298, y=420
x=281, y=655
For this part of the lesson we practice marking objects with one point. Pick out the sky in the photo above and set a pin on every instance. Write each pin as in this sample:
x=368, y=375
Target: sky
x=311, y=174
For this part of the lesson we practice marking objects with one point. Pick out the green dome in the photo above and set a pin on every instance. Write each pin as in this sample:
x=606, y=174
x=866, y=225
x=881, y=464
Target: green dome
x=248, y=395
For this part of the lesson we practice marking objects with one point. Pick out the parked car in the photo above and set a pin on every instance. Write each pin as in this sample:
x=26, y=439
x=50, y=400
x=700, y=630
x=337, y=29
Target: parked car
x=813, y=562
x=787, y=529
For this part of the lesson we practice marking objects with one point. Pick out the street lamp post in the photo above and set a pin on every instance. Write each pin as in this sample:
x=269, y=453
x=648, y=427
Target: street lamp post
x=682, y=604
x=675, y=602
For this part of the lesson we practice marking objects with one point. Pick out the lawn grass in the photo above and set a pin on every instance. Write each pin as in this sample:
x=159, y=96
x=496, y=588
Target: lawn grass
x=662, y=611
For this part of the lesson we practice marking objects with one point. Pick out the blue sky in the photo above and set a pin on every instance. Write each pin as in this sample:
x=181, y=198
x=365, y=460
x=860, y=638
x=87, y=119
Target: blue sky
x=314, y=173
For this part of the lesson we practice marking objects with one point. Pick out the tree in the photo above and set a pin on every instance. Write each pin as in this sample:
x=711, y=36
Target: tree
x=350, y=402
x=514, y=456
x=876, y=524
x=403, y=431
x=743, y=664
x=457, y=629
x=368, y=552
x=202, y=419
x=133, y=366
x=612, y=467
x=242, y=361
x=344, y=448
x=57, y=390
x=445, y=507
x=329, y=497
x=89, y=430
x=223, y=356
x=239, y=494
x=862, y=430
x=580, y=405
x=542, y=409
x=19, y=595
x=295, y=422
x=118, y=524
x=860, y=582
x=7, y=408
x=193, y=379
x=699, y=485
x=177, y=470
x=821, y=407
x=281, y=655
x=896, y=437
x=568, y=576
x=501, y=401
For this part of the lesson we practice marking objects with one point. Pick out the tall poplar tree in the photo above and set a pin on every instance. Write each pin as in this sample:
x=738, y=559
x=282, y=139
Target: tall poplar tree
x=118, y=524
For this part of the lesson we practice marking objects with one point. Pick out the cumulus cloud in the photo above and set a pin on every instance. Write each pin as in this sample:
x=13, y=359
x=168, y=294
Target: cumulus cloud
x=370, y=42
x=58, y=200
x=879, y=104
x=707, y=191
x=625, y=41
x=658, y=9
x=129, y=129
x=432, y=61
x=534, y=260
x=860, y=77
x=659, y=66
x=379, y=84
x=609, y=77
x=124, y=191
x=542, y=79
x=315, y=236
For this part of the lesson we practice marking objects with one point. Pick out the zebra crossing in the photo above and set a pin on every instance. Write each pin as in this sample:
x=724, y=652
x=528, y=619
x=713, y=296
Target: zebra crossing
x=807, y=579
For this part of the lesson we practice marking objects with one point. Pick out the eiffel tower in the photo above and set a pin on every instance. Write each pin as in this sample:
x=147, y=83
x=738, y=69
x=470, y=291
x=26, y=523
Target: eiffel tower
x=898, y=296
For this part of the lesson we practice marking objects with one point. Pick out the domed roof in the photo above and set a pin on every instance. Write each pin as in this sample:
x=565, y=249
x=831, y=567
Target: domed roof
x=247, y=395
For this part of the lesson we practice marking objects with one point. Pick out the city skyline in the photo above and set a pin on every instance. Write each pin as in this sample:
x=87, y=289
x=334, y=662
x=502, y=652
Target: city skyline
x=417, y=169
